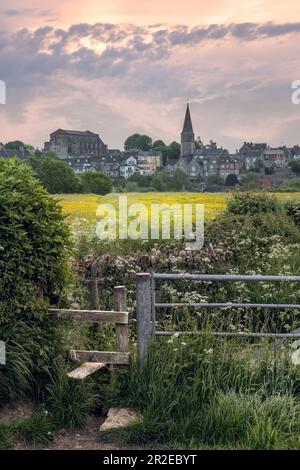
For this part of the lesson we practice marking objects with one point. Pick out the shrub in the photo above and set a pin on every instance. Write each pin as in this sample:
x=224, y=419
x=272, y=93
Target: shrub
x=55, y=174
x=34, y=248
x=96, y=183
x=292, y=209
x=248, y=203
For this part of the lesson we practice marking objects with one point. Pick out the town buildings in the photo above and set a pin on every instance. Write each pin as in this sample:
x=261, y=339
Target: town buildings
x=86, y=151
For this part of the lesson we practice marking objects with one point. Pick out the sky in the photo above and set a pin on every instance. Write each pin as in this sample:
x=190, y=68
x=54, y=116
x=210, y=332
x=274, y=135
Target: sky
x=117, y=67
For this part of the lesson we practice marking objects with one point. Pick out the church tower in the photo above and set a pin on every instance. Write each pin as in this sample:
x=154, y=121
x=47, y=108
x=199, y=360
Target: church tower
x=187, y=135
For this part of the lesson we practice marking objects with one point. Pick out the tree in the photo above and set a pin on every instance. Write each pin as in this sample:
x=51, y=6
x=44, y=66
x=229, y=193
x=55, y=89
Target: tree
x=56, y=175
x=96, y=183
x=170, y=151
x=295, y=166
x=212, y=145
x=215, y=179
x=180, y=180
x=252, y=181
x=231, y=180
x=259, y=166
x=143, y=181
x=158, y=144
x=15, y=144
x=161, y=181
x=132, y=187
x=38, y=153
x=199, y=145
x=18, y=145
x=174, y=149
x=138, y=142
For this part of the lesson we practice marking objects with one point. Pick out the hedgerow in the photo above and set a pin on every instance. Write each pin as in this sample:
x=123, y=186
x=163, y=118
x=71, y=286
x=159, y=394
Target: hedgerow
x=34, y=249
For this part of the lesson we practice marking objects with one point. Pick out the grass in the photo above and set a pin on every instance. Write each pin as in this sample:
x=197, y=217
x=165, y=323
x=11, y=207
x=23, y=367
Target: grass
x=70, y=402
x=35, y=430
x=210, y=393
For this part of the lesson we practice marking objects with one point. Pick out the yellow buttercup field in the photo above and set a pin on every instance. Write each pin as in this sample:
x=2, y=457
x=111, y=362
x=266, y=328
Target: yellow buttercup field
x=84, y=206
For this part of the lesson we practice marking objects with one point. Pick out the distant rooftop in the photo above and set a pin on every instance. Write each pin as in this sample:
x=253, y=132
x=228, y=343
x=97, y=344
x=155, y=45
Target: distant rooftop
x=64, y=131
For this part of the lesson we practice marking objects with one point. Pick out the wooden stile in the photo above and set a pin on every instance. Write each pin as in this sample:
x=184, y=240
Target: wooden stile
x=101, y=356
x=91, y=315
x=86, y=369
x=92, y=361
x=120, y=304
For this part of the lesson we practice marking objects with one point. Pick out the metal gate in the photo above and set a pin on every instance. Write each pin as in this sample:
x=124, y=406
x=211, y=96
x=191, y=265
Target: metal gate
x=147, y=306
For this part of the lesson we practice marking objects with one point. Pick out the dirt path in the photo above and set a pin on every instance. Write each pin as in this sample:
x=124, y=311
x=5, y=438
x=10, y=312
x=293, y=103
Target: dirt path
x=87, y=438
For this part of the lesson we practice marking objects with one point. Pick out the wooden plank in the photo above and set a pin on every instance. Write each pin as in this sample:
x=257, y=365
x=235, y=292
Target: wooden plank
x=101, y=356
x=93, y=288
x=90, y=315
x=86, y=369
x=143, y=314
x=120, y=304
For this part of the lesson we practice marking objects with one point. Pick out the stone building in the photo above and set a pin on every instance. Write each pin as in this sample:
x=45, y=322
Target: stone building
x=75, y=144
x=251, y=152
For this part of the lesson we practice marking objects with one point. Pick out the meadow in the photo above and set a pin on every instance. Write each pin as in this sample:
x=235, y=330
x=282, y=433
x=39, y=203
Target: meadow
x=84, y=206
x=193, y=392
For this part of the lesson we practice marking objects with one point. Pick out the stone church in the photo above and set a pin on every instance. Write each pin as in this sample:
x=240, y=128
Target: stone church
x=74, y=144
x=203, y=162
x=187, y=135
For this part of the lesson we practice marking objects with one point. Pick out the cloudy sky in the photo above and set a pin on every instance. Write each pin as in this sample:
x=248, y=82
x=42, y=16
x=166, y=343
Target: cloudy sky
x=123, y=66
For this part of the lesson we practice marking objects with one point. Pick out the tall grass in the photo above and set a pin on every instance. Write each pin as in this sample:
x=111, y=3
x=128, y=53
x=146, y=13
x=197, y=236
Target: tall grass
x=69, y=401
x=211, y=392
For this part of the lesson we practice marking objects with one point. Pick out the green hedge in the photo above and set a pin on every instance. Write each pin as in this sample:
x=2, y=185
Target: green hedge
x=34, y=248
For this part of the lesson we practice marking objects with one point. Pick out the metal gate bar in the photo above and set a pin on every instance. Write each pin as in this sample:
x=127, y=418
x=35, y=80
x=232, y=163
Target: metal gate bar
x=146, y=305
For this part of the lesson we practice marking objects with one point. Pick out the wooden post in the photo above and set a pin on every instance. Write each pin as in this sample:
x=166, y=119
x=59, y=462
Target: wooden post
x=120, y=305
x=143, y=314
x=93, y=286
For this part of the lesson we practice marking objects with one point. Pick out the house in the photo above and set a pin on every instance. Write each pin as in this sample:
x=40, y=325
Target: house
x=149, y=162
x=250, y=153
x=229, y=165
x=275, y=157
x=170, y=166
x=129, y=166
x=110, y=165
x=195, y=168
x=81, y=164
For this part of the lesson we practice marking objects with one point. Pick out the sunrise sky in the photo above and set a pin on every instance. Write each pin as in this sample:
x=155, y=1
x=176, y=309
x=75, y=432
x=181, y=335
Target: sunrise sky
x=123, y=66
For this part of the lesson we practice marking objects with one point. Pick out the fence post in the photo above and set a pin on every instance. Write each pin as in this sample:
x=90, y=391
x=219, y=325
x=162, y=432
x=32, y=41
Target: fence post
x=93, y=287
x=120, y=305
x=143, y=314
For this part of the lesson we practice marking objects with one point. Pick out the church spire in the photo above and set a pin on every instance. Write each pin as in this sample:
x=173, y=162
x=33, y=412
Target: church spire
x=187, y=126
x=187, y=135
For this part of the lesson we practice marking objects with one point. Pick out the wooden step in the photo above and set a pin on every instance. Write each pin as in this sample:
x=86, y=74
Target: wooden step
x=86, y=369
